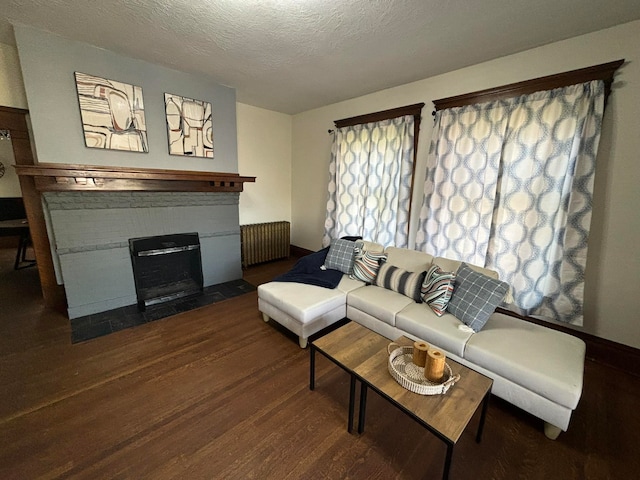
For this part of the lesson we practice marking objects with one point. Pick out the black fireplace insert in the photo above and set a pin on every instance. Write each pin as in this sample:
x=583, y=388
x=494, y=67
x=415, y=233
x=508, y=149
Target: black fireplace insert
x=166, y=267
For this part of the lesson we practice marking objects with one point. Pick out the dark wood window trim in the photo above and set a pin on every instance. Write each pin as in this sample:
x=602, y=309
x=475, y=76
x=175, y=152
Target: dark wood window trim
x=415, y=110
x=604, y=72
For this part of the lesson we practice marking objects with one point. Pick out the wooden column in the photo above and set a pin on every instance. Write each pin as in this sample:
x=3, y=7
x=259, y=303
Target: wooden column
x=15, y=120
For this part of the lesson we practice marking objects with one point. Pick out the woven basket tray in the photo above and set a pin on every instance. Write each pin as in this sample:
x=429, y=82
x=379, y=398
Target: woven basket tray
x=411, y=376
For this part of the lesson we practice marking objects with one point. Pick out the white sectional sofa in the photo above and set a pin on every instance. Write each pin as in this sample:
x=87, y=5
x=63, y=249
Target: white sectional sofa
x=535, y=368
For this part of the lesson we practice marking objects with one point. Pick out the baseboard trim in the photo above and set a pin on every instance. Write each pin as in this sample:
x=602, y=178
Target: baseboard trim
x=613, y=354
x=299, y=251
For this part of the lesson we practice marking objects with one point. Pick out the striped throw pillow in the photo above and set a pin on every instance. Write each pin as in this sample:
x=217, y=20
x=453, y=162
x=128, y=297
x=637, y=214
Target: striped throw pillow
x=401, y=281
x=366, y=265
x=437, y=288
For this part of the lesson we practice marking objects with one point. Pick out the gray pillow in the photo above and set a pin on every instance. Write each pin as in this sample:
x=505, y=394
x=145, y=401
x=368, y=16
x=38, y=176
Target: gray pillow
x=341, y=256
x=400, y=280
x=475, y=297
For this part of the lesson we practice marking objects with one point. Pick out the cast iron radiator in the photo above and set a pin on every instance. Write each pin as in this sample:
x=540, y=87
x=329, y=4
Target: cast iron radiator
x=262, y=242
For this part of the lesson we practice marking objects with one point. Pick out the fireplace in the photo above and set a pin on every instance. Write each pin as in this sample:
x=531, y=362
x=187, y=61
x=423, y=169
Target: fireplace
x=166, y=267
x=93, y=211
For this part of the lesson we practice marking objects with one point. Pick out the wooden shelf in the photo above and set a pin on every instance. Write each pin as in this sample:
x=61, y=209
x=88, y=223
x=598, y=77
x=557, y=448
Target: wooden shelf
x=57, y=177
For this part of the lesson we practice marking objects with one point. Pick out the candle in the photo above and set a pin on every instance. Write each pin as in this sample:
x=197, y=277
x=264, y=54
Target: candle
x=420, y=353
x=434, y=369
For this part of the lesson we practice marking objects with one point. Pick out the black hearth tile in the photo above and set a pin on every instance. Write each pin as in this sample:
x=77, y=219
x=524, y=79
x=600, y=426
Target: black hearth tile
x=120, y=322
x=88, y=320
x=207, y=299
x=214, y=296
x=211, y=289
x=235, y=288
x=131, y=309
x=88, y=332
x=245, y=287
x=226, y=291
x=186, y=305
x=84, y=322
x=240, y=283
x=156, y=312
x=96, y=325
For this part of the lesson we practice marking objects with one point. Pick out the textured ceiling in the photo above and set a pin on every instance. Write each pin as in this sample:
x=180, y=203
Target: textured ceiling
x=294, y=55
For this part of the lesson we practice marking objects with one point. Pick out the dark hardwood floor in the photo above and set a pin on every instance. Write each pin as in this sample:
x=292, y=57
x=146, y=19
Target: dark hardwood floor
x=216, y=393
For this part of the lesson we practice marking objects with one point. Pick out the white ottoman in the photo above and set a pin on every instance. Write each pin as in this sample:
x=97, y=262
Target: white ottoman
x=304, y=309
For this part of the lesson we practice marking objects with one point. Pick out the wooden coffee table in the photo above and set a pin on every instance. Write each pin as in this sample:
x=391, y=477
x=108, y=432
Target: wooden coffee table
x=363, y=354
x=348, y=347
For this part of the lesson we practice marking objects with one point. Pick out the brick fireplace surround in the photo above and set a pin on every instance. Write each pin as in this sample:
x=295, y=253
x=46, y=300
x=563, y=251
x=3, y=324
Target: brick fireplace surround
x=92, y=212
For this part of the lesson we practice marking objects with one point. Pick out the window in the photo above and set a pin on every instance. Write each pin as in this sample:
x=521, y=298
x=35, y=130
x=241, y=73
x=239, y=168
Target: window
x=509, y=186
x=371, y=176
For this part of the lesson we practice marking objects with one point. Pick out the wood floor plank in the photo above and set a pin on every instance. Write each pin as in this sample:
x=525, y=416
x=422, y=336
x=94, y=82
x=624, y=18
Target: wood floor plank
x=217, y=393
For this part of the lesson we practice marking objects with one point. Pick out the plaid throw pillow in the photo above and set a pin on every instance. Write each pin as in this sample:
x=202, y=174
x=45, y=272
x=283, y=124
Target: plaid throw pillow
x=437, y=289
x=341, y=256
x=400, y=280
x=475, y=297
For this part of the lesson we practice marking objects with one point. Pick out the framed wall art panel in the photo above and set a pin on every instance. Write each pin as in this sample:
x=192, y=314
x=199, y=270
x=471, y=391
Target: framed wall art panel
x=189, y=126
x=112, y=114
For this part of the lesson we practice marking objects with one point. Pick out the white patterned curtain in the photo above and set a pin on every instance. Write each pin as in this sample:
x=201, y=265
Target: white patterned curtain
x=371, y=172
x=509, y=186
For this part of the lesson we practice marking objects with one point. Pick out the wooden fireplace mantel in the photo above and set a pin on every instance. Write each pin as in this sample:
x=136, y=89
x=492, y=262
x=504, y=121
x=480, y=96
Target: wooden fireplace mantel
x=57, y=177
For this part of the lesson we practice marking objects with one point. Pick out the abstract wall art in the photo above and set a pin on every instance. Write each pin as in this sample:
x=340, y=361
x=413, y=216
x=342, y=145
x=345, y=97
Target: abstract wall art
x=112, y=114
x=189, y=126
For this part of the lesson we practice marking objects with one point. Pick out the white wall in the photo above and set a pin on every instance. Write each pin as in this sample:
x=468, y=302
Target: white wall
x=9, y=183
x=11, y=95
x=11, y=85
x=264, y=151
x=613, y=279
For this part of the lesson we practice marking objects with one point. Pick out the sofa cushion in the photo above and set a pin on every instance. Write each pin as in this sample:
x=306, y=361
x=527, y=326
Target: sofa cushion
x=475, y=296
x=543, y=360
x=367, y=264
x=348, y=284
x=378, y=302
x=410, y=260
x=437, y=288
x=341, y=255
x=400, y=280
x=443, y=332
x=301, y=301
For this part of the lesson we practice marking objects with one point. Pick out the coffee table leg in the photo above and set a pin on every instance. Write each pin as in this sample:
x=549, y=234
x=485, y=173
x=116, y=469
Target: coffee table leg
x=312, y=367
x=363, y=407
x=447, y=461
x=352, y=401
x=485, y=405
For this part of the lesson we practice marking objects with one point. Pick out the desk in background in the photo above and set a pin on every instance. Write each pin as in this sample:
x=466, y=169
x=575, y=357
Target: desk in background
x=19, y=228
